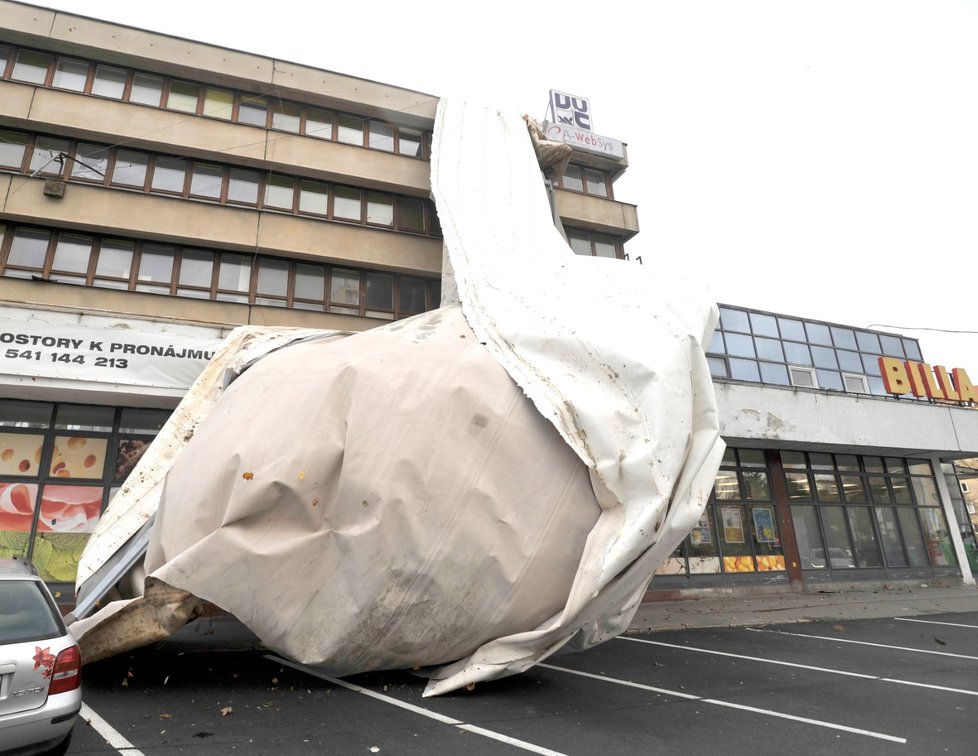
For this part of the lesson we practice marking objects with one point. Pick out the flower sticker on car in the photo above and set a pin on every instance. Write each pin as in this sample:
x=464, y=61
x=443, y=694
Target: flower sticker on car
x=44, y=658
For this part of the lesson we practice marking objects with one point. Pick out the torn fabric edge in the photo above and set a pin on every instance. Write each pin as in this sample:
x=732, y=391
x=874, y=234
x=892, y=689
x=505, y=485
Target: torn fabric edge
x=623, y=378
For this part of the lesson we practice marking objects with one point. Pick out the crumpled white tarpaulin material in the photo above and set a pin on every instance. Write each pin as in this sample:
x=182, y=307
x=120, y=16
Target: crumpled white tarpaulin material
x=469, y=490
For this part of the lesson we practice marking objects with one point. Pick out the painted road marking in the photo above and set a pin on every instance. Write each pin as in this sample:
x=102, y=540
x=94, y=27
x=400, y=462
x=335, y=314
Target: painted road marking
x=935, y=622
x=805, y=666
x=417, y=709
x=863, y=643
x=731, y=705
x=112, y=736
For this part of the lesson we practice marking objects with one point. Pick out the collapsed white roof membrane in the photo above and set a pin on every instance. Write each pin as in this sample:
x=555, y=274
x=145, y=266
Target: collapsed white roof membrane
x=467, y=491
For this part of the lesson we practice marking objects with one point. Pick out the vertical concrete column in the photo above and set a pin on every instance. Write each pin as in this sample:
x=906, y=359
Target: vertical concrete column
x=952, y=522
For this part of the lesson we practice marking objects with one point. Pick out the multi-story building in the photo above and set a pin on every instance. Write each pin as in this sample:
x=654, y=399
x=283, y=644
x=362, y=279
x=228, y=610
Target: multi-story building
x=157, y=192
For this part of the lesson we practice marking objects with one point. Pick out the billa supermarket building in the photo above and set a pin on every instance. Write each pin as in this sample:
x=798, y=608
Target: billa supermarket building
x=156, y=192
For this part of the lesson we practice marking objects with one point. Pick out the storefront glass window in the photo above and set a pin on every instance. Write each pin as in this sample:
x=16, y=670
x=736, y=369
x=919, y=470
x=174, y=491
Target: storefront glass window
x=938, y=539
x=756, y=485
x=890, y=535
x=799, y=486
x=81, y=417
x=54, y=484
x=15, y=413
x=864, y=537
x=837, y=538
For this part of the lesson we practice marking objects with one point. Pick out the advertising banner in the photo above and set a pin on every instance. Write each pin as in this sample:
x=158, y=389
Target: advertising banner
x=105, y=355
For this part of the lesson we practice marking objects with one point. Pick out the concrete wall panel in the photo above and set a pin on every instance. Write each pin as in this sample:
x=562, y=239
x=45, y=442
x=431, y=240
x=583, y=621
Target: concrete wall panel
x=802, y=419
x=597, y=213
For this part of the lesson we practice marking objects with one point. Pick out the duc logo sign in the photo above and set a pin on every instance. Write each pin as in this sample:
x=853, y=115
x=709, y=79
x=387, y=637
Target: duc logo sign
x=569, y=110
x=918, y=378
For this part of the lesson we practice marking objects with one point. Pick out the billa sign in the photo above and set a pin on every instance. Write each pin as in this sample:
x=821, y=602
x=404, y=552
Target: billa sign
x=902, y=377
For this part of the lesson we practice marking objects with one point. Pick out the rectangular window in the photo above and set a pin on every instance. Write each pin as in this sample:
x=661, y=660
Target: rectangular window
x=380, y=209
x=196, y=272
x=234, y=278
x=114, y=265
x=146, y=90
x=253, y=111
x=70, y=74
x=218, y=103
x=579, y=243
x=13, y=146
x=344, y=292
x=71, y=257
x=28, y=249
x=313, y=197
x=802, y=377
x=410, y=142
x=130, y=168
x=855, y=384
x=381, y=136
x=346, y=203
x=207, y=181
x=155, y=268
x=310, y=287
x=572, y=179
x=349, y=130
x=47, y=157
x=243, y=187
x=183, y=96
x=604, y=246
x=109, y=82
x=91, y=162
x=273, y=282
x=319, y=123
x=411, y=296
x=169, y=174
x=595, y=183
x=285, y=116
x=379, y=295
x=279, y=192
x=410, y=214
x=31, y=67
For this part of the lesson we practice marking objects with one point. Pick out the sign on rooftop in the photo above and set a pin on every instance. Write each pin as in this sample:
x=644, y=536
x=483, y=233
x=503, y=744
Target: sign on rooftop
x=569, y=121
x=569, y=110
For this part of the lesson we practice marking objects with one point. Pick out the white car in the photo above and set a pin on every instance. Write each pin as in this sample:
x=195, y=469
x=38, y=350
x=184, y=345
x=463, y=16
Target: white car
x=40, y=666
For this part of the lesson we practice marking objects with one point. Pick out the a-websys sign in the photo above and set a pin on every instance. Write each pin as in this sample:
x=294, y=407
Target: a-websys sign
x=571, y=124
x=902, y=377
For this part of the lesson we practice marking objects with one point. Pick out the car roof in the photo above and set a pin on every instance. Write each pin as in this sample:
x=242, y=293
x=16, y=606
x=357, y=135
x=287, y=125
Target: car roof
x=16, y=569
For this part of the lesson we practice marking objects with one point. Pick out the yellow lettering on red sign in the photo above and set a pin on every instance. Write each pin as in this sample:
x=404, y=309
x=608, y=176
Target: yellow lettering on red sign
x=945, y=382
x=930, y=385
x=919, y=379
x=895, y=379
x=966, y=391
x=916, y=379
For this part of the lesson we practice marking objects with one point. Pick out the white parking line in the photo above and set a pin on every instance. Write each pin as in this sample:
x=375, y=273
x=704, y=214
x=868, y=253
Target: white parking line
x=845, y=673
x=863, y=643
x=474, y=729
x=935, y=622
x=731, y=705
x=112, y=736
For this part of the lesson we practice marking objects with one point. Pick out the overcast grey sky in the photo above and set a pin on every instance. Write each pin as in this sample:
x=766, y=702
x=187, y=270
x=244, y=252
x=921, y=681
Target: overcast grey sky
x=814, y=158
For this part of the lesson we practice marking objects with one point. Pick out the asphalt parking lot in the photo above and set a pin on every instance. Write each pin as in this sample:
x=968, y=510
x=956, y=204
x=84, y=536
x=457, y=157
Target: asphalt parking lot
x=873, y=686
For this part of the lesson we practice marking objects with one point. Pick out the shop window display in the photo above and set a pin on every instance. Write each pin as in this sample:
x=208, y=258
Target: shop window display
x=59, y=464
